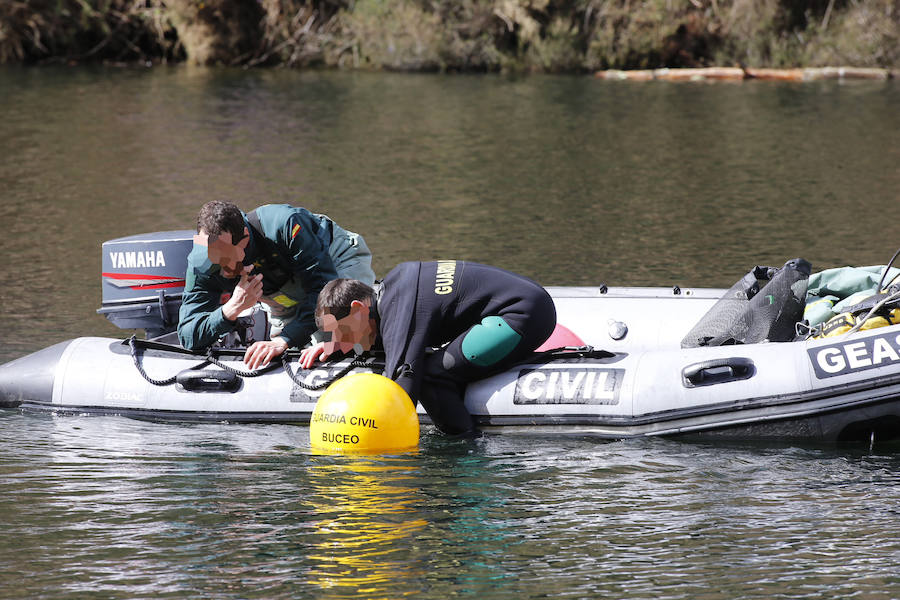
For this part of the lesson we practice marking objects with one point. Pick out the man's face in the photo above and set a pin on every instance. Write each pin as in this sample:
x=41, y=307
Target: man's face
x=223, y=252
x=356, y=331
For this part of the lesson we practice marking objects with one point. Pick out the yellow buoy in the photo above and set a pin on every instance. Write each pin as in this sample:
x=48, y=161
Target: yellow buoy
x=366, y=413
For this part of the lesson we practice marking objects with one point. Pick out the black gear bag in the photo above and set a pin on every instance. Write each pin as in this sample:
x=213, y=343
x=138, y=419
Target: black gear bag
x=752, y=312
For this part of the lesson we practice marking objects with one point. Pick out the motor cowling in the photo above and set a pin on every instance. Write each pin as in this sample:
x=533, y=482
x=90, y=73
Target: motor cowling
x=143, y=280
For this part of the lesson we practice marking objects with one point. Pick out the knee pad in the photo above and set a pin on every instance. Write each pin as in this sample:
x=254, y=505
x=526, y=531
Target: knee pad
x=489, y=342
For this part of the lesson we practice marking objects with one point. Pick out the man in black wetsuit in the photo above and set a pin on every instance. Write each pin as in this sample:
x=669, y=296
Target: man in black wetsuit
x=480, y=319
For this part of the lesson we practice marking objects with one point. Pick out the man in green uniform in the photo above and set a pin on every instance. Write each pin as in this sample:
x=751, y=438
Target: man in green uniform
x=278, y=255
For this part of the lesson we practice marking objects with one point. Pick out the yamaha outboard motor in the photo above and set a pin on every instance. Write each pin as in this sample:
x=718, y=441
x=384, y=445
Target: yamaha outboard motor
x=751, y=313
x=143, y=279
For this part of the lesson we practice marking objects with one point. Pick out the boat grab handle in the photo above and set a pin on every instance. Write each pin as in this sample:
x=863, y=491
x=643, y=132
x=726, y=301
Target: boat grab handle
x=718, y=370
x=191, y=380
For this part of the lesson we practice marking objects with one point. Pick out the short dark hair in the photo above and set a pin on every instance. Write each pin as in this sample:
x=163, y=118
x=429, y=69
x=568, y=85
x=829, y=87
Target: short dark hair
x=217, y=217
x=336, y=296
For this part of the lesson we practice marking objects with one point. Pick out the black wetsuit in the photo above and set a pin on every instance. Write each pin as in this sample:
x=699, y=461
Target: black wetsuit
x=424, y=305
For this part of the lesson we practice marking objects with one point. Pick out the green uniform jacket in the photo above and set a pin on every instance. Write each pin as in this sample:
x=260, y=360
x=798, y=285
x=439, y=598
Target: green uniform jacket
x=302, y=239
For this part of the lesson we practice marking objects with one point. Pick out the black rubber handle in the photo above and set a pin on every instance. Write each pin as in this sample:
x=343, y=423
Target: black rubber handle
x=192, y=380
x=718, y=370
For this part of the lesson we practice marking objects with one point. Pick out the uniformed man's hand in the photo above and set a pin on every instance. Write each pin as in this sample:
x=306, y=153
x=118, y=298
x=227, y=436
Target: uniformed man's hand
x=246, y=294
x=309, y=355
x=259, y=354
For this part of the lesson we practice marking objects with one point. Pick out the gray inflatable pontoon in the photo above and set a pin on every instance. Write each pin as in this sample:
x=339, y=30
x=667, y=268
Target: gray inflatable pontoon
x=643, y=382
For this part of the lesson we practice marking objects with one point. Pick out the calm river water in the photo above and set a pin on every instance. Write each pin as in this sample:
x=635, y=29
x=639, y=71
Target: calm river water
x=568, y=180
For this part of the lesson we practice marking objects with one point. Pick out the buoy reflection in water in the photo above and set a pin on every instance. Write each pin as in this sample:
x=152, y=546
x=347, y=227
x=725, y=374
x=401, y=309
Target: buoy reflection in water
x=367, y=519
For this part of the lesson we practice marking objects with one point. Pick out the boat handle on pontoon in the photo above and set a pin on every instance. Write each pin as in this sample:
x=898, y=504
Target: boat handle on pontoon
x=718, y=370
x=207, y=380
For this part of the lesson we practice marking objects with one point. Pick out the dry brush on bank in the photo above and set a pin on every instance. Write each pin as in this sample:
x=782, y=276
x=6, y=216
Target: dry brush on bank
x=456, y=35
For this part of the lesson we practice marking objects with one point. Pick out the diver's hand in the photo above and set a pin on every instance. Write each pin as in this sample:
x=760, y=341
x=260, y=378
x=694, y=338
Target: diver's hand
x=259, y=354
x=309, y=355
x=246, y=294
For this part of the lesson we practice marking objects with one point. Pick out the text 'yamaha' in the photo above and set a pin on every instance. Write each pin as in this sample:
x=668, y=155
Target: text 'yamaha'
x=127, y=260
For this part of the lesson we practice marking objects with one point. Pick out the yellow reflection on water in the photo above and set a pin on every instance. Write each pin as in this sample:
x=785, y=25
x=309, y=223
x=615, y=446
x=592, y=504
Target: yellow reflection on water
x=369, y=518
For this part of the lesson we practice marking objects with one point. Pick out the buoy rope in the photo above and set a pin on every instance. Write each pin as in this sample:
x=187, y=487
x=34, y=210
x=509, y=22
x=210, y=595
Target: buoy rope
x=553, y=354
x=211, y=359
x=239, y=372
x=285, y=361
x=132, y=342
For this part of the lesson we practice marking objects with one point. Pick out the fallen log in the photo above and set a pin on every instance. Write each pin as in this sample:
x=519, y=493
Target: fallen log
x=738, y=74
x=716, y=73
x=776, y=74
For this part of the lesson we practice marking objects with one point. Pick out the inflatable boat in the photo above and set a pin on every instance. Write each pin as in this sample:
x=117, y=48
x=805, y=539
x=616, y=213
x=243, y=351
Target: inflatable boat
x=623, y=362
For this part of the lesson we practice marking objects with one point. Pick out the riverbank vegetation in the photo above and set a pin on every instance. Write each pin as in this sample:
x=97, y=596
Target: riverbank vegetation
x=455, y=35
